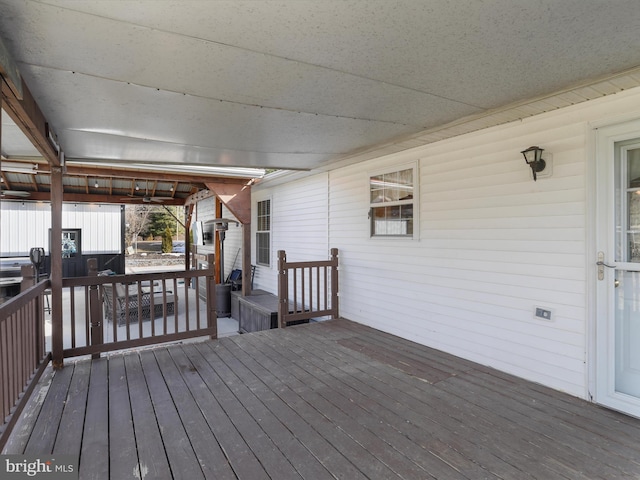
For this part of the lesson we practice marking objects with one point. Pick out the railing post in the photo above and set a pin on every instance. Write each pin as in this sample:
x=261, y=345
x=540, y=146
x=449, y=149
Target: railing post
x=28, y=274
x=283, y=288
x=212, y=316
x=335, y=312
x=95, y=308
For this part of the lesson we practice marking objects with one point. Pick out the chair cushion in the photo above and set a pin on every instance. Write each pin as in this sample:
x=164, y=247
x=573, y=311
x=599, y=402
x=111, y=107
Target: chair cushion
x=120, y=291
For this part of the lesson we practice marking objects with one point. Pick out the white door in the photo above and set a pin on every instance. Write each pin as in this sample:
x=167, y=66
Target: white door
x=618, y=268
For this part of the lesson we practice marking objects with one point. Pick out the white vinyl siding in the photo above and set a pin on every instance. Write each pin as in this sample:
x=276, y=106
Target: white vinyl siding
x=299, y=217
x=493, y=244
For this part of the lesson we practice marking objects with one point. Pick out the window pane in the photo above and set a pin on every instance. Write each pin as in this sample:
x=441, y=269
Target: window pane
x=397, y=220
x=391, y=187
x=396, y=187
x=406, y=217
x=264, y=215
x=263, y=234
x=262, y=249
x=377, y=188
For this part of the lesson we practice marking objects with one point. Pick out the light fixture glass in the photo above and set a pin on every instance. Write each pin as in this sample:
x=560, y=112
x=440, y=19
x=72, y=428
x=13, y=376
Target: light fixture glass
x=15, y=167
x=533, y=157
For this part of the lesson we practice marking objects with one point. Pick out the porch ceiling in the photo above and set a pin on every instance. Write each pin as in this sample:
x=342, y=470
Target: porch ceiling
x=303, y=84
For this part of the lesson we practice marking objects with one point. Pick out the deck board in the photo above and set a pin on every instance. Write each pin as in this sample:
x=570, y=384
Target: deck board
x=69, y=439
x=176, y=443
x=123, y=455
x=271, y=458
x=234, y=374
x=152, y=458
x=423, y=401
x=270, y=389
x=202, y=381
x=388, y=446
x=94, y=455
x=319, y=401
x=44, y=433
x=365, y=384
x=205, y=445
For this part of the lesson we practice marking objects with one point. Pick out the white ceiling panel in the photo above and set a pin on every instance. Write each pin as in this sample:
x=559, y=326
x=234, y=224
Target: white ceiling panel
x=297, y=83
x=112, y=148
x=14, y=142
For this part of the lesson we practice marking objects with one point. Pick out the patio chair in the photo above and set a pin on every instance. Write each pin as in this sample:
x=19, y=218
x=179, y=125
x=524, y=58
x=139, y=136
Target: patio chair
x=132, y=304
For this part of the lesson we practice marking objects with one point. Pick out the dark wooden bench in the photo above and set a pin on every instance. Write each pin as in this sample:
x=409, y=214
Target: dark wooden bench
x=256, y=312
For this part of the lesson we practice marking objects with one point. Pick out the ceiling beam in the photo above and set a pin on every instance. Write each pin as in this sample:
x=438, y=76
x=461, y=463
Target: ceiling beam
x=198, y=197
x=5, y=181
x=113, y=172
x=237, y=198
x=27, y=115
x=96, y=198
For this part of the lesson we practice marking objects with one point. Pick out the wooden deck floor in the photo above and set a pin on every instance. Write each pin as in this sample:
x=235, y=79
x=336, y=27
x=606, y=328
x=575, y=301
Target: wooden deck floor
x=320, y=401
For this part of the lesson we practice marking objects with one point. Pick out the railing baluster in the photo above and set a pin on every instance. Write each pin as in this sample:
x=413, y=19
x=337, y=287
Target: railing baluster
x=175, y=305
x=326, y=288
x=72, y=311
x=295, y=291
x=152, y=309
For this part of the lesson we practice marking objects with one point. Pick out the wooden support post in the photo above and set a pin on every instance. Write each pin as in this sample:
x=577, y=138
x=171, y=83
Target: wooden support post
x=188, y=212
x=283, y=288
x=217, y=244
x=56, y=267
x=95, y=308
x=212, y=316
x=335, y=312
x=247, y=271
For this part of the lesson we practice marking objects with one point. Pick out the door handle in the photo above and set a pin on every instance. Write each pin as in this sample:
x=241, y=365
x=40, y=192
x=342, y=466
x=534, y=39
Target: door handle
x=600, y=263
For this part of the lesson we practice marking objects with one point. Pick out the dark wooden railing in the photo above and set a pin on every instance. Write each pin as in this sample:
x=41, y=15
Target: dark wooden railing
x=115, y=312
x=307, y=289
x=22, y=349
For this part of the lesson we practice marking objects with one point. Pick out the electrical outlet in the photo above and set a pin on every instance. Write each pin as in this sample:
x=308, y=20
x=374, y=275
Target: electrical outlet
x=542, y=313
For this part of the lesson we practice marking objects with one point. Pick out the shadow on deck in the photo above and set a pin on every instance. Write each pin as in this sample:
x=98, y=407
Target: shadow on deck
x=326, y=400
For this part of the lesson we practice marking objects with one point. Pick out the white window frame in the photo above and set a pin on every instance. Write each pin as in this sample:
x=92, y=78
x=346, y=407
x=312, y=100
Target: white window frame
x=413, y=202
x=268, y=232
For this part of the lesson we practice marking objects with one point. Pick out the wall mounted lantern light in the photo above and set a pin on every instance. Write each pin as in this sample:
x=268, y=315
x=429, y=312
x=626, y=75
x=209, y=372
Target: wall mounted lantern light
x=533, y=157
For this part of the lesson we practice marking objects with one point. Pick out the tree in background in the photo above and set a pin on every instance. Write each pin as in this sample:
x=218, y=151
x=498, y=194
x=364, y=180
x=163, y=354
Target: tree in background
x=162, y=218
x=137, y=222
x=159, y=221
x=167, y=241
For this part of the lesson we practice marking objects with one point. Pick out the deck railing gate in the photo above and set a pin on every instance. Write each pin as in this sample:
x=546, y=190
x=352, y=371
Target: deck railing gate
x=307, y=289
x=152, y=308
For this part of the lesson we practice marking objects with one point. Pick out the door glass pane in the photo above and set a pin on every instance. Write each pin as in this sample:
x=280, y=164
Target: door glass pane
x=633, y=230
x=627, y=333
x=632, y=244
x=69, y=244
